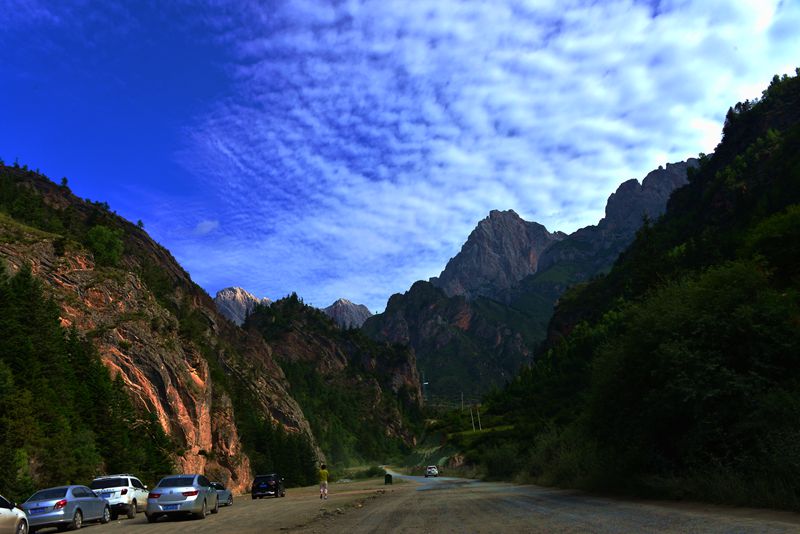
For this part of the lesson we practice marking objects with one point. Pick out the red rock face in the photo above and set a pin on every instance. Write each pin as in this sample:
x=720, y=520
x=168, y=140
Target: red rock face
x=138, y=339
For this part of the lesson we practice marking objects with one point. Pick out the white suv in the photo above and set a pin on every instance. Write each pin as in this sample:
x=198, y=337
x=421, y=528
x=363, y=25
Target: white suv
x=124, y=493
x=431, y=471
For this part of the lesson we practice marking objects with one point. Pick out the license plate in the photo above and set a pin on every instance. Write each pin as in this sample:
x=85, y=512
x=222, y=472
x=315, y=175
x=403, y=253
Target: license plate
x=107, y=495
x=35, y=511
x=168, y=507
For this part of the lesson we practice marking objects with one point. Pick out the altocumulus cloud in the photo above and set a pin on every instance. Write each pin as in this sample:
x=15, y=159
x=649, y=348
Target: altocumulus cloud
x=365, y=139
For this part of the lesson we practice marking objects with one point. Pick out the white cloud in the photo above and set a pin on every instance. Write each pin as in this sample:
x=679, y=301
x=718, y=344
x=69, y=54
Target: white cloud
x=366, y=139
x=205, y=227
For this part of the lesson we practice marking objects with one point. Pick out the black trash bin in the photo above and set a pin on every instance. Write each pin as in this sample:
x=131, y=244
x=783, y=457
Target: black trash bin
x=387, y=479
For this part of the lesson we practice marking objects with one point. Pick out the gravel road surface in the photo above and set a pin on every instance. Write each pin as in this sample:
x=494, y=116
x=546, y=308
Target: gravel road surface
x=451, y=505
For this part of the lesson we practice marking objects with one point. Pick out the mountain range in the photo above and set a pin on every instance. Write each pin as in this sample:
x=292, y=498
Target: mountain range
x=476, y=323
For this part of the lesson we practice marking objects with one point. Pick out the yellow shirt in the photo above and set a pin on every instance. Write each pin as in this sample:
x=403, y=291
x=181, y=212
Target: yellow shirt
x=323, y=475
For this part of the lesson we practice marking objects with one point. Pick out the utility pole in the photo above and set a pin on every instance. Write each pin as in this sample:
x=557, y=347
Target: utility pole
x=478, y=409
x=471, y=418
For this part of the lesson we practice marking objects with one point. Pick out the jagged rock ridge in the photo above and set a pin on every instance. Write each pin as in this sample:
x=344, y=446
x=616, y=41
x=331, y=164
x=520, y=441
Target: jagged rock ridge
x=347, y=314
x=236, y=303
x=502, y=250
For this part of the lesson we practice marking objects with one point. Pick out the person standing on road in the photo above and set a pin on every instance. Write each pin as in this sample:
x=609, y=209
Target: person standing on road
x=323, y=481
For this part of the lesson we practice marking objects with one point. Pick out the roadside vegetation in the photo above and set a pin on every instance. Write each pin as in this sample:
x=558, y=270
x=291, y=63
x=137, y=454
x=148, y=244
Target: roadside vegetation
x=678, y=374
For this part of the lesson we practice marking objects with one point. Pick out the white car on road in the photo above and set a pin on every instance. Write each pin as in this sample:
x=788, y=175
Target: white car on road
x=431, y=471
x=124, y=493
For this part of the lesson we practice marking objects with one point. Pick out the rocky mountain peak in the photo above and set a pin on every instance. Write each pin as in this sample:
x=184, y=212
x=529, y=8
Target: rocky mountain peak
x=632, y=201
x=236, y=303
x=347, y=314
x=502, y=250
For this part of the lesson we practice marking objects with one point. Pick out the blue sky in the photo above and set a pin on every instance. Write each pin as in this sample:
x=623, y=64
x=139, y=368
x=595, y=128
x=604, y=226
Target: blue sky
x=347, y=149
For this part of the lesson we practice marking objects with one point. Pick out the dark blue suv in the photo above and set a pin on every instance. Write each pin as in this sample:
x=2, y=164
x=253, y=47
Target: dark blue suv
x=267, y=486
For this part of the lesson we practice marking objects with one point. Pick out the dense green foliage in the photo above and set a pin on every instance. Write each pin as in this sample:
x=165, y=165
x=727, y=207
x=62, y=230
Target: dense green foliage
x=338, y=404
x=678, y=373
x=106, y=244
x=62, y=418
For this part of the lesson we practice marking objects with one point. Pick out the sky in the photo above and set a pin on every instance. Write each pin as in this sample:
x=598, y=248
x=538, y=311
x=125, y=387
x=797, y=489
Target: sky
x=348, y=148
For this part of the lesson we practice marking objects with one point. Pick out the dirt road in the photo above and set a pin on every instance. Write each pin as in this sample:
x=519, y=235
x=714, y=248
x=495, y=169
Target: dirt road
x=460, y=506
x=447, y=505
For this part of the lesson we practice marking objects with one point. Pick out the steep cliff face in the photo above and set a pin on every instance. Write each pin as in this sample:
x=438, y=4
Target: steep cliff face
x=347, y=314
x=363, y=398
x=462, y=346
x=502, y=250
x=236, y=304
x=153, y=327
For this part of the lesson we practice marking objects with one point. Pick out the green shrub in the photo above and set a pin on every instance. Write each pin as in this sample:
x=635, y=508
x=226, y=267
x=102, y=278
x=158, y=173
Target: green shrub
x=106, y=245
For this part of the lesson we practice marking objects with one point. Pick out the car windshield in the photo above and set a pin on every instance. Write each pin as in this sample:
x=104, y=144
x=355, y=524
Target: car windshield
x=49, y=494
x=176, y=482
x=104, y=483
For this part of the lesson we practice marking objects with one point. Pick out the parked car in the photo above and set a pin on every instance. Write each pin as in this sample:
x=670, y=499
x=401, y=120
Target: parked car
x=224, y=495
x=267, y=486
x=124, y=493
x=431, y=471
x=12, y=518
x=182, y=494
x=65, y=507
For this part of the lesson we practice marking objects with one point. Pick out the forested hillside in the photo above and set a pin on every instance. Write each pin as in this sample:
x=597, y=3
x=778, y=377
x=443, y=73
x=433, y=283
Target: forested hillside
x=62, y=418
x=361, y=397
x=111, y=300
x=678, y=373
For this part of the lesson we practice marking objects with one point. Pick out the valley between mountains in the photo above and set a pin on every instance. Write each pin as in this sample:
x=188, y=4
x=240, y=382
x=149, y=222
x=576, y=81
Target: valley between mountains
x=654, y=354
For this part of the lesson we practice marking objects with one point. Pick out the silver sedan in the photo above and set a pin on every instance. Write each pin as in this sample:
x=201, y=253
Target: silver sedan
x=182, y=494
x=65, y=507
x=12, y=519
x=225, y=495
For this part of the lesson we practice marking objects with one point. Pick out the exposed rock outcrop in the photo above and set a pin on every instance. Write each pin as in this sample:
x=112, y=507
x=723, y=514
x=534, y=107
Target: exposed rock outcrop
x=502, y=250
x=347, y=314
x=236, y=304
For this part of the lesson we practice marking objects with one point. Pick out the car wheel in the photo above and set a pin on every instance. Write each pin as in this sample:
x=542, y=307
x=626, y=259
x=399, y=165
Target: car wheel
x=203, y=513
x=230, y=499
x=22, y=528
x=254, y=497
x=215, y=510
x=131, y=510
x=77, y=521
x=151, y=518
x=106, y=516
x=114, y=515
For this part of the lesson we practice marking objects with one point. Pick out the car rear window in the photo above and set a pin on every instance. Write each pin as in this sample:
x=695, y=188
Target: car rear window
x=176, y=482
x=265, y=478
x=49, y=494
x=104, y=483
